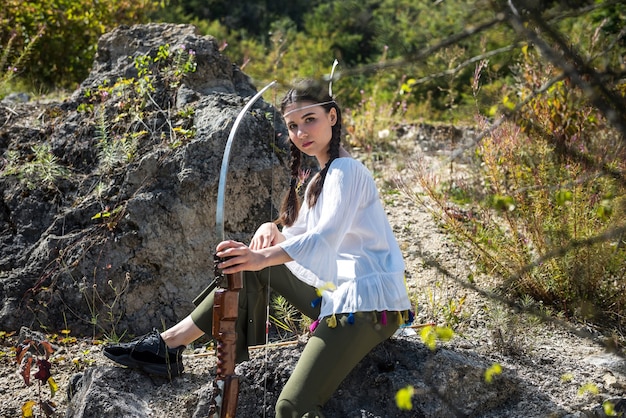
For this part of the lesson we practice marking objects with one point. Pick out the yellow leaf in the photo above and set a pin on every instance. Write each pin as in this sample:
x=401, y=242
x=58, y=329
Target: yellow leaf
x=428, y=336
x=495, y=369
x=101, y=215
x=53, y=386
x=588, y=387
x=525, y=50
x=609, y=409
x=403, y=398
x=27, y=409
x=444, y=333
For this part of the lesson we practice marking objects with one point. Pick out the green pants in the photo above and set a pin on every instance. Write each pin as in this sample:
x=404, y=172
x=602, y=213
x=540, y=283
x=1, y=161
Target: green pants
x=329, y=355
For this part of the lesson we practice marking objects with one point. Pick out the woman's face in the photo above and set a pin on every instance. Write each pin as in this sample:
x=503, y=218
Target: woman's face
x=310, y=128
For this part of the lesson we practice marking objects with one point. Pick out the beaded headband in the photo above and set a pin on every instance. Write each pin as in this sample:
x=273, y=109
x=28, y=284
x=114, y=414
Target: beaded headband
x=307, y=107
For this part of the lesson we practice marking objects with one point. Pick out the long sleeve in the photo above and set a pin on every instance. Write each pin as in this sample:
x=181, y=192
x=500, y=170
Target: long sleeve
x=345, y=239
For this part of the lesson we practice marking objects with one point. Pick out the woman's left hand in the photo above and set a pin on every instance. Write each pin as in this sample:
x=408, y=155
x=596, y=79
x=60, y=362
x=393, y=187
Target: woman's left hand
x=238, y=257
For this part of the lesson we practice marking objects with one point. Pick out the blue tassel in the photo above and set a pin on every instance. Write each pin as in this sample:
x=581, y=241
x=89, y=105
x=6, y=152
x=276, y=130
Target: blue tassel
x=316, y=302
x=411, y=317
x=351, y=318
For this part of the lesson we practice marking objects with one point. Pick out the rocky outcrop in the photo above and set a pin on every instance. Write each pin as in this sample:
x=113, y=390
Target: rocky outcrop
x=125, y=247
x=448, y=384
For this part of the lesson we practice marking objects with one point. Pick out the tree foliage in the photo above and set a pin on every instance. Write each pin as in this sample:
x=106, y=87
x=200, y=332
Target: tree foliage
x=69, y=31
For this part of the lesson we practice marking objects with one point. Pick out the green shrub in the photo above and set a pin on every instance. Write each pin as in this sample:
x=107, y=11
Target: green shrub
x=123, y=108
x=69, y=31
x=549, y=208
x=12, y=59
x=38, y=169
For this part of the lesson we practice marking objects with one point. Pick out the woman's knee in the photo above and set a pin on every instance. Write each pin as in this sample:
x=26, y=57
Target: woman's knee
x=286, y=408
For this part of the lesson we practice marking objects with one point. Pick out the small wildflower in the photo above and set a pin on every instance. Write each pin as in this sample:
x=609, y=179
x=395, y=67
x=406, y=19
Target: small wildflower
x=192, y=52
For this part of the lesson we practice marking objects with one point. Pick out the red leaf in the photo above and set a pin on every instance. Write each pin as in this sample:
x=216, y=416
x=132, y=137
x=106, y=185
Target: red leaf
x=25, y=368
x=48, y=347
x=44, y=370
x=22, y=349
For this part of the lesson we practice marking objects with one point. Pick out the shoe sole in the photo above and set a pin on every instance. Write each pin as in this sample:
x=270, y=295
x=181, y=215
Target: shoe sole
x=150, y=368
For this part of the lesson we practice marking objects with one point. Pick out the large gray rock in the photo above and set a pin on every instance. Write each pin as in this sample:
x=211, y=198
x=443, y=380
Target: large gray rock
x=141, y=267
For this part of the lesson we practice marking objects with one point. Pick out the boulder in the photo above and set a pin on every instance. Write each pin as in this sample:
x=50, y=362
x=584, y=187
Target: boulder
x=124, y=239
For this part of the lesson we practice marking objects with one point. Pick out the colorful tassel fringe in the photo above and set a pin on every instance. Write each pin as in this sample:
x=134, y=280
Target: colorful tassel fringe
x=314, y=325
x=405, y=318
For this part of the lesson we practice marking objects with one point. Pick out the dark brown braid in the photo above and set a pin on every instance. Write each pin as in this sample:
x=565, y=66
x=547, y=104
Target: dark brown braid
x=318, y=181
x=308, y=91
x=290, y=207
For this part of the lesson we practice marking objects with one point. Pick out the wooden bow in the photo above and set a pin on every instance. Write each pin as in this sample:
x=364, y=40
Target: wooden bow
x=226, y=300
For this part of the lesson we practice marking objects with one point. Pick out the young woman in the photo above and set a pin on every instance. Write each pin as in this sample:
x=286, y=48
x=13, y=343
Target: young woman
x=335, y=259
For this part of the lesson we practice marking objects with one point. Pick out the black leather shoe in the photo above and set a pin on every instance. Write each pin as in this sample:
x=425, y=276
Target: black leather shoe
x=148, y=353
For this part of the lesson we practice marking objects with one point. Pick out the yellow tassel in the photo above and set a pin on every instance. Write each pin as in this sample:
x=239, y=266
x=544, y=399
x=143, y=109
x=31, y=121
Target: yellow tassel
x=405, y=316
x=400, y=320
x=375, y=318
x=332, y=321
x=330, y=286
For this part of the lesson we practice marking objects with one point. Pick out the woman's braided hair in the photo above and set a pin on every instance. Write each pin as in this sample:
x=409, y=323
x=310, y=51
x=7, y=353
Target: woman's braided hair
x=308, y=91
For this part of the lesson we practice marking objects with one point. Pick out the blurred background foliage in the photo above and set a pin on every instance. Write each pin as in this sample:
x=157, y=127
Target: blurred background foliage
x=64, y=34
x=283, y=40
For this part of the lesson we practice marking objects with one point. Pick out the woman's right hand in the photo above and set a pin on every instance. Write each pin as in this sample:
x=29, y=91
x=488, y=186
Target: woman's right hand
x=266, y=236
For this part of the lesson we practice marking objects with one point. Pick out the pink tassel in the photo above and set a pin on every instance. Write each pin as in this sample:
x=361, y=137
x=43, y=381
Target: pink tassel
x=383, y=318
x=314, y=325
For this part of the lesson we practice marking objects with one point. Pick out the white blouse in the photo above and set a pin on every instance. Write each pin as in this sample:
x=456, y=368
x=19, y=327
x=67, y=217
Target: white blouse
x=346, y=239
